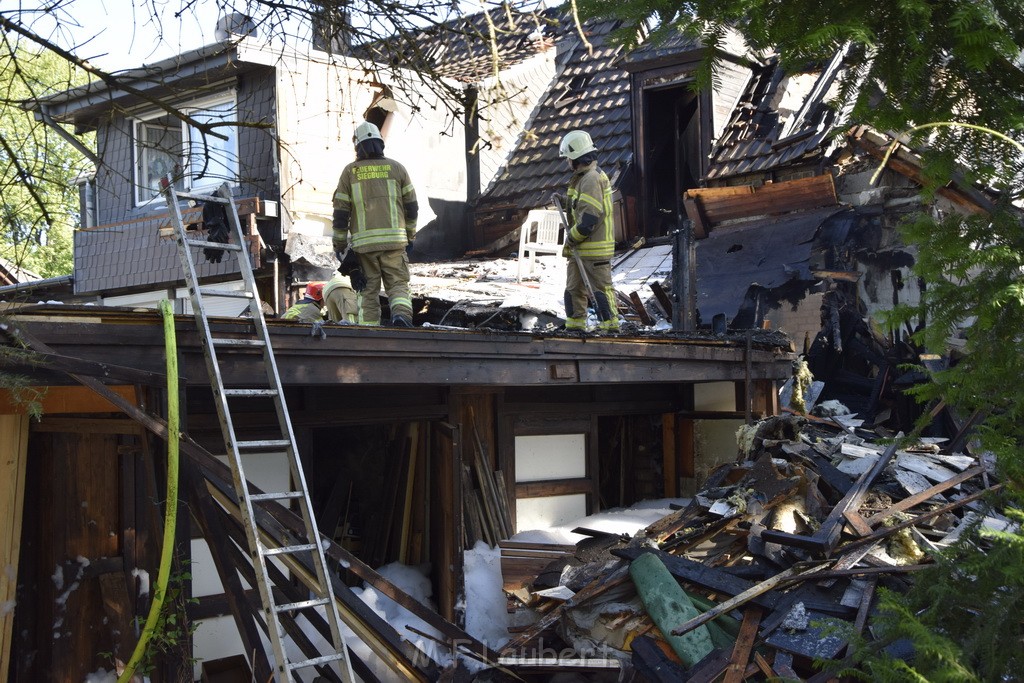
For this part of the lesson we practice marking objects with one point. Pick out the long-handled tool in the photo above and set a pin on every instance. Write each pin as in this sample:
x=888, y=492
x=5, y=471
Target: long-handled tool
x=601, y=315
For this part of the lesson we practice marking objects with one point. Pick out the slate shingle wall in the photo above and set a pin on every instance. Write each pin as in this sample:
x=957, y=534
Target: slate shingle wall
x=257, y=144
x=126, y=251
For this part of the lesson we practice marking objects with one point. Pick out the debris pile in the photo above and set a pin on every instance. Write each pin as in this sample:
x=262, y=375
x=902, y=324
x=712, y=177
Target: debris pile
x=744, y=580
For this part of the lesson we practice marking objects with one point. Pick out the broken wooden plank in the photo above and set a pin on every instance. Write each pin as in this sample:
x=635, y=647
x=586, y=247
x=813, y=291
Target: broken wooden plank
x=402, y=656
x=663, y=298
x=733, y=203
x=783, y=666
x=639, y=308
x=694, y=572
x=764, y=666
x=708, y=669
x=744, y=597
x=889, y=531
x=734, y=673
x=285, y=591
x=922, y=496
x=857, y=523
x=503, y=502
x=865, y=607
x=492, y=508
x=597, y=586
x=217, y=538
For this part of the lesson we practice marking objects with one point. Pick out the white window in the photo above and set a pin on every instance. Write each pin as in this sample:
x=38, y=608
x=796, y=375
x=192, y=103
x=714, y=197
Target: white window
x=166, y=145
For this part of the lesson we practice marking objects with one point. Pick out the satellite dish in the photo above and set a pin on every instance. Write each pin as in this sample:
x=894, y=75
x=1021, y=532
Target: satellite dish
x=234, y=24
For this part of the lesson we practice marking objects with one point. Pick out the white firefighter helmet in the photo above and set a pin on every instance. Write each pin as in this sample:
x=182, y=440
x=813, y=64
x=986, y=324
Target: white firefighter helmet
x=575, y=144
x=366, y=131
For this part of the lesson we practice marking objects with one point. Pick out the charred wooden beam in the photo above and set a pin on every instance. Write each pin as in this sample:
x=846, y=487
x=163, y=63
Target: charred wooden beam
x=651, y=662
x=711, y=578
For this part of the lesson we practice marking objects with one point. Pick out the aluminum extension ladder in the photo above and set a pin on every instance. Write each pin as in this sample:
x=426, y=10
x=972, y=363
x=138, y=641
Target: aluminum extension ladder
x=237, y=449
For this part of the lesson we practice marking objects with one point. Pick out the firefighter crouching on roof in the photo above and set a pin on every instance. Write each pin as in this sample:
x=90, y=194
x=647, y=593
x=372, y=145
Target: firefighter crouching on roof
x=376, y=203
x=590, y=232
x=340, y=300
x=307, y=309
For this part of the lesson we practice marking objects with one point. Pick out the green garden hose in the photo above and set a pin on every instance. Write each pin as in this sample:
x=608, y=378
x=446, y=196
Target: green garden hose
x=171, y=514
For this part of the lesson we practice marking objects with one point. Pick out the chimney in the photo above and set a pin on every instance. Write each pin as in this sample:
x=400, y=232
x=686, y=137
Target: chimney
x=331, y=32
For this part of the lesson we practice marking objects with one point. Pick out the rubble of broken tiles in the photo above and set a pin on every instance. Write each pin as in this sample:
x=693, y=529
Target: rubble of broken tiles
x=800, y=531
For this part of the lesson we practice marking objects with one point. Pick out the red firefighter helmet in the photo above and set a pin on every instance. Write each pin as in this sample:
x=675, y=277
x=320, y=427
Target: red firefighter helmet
x=315, y=291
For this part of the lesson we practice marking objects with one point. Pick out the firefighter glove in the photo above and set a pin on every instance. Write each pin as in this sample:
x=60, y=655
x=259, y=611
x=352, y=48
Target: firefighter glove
x=349, y=263
x=358, y=279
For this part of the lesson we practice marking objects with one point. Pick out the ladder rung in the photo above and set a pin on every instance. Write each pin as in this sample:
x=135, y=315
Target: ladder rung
x=290, y=549
x=238, y=342
x=317, y=661
x=282, y=495
x=269, y=443
x=250, y=393
x=230, y=293
x=295, y=606
x=213, y=245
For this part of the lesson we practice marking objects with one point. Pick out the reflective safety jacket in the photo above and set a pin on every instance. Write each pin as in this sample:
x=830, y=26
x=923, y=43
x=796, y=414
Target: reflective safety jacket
x=590, y=192
x=305, y=310
x=336, y=281
x=375, y=194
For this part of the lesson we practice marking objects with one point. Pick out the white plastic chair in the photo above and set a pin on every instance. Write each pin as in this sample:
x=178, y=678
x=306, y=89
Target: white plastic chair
x=539, y=234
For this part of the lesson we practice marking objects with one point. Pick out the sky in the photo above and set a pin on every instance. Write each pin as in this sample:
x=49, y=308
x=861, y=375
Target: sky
x=120, y=34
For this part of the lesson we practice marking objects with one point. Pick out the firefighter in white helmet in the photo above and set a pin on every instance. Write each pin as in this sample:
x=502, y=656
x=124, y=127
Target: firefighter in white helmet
x=590, y=232
x=375, y=212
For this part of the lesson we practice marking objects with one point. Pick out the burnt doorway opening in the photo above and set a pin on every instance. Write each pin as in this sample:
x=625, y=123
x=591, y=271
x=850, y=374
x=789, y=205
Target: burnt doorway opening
x=674, y=154
x=386, y=492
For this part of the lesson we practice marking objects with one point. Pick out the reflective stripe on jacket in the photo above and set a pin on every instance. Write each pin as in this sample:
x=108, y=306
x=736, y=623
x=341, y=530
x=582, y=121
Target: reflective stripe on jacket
x=590, y=192
x=306, y=310
x=374, y=192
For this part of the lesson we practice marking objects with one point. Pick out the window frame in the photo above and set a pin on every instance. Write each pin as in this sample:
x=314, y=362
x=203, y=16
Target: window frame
x=188, y=181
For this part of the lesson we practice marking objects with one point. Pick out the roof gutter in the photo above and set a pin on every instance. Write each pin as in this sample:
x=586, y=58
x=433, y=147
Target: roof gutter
x=137, y=82
x=37, y=284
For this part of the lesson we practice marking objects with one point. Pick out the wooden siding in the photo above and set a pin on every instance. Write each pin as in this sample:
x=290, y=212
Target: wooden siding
x=13, y=464
x=714, y=205
x=74, y=516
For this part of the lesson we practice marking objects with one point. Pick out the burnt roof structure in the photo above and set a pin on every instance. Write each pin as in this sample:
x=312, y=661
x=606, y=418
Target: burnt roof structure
x=760, y=139
x=463, y=49
x=590, y=93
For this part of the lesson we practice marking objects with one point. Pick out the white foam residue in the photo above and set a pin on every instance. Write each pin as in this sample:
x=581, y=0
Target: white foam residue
x=143, y=576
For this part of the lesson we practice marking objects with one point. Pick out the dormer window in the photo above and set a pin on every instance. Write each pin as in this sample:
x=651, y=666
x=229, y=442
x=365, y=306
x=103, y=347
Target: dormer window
x=164, y=144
